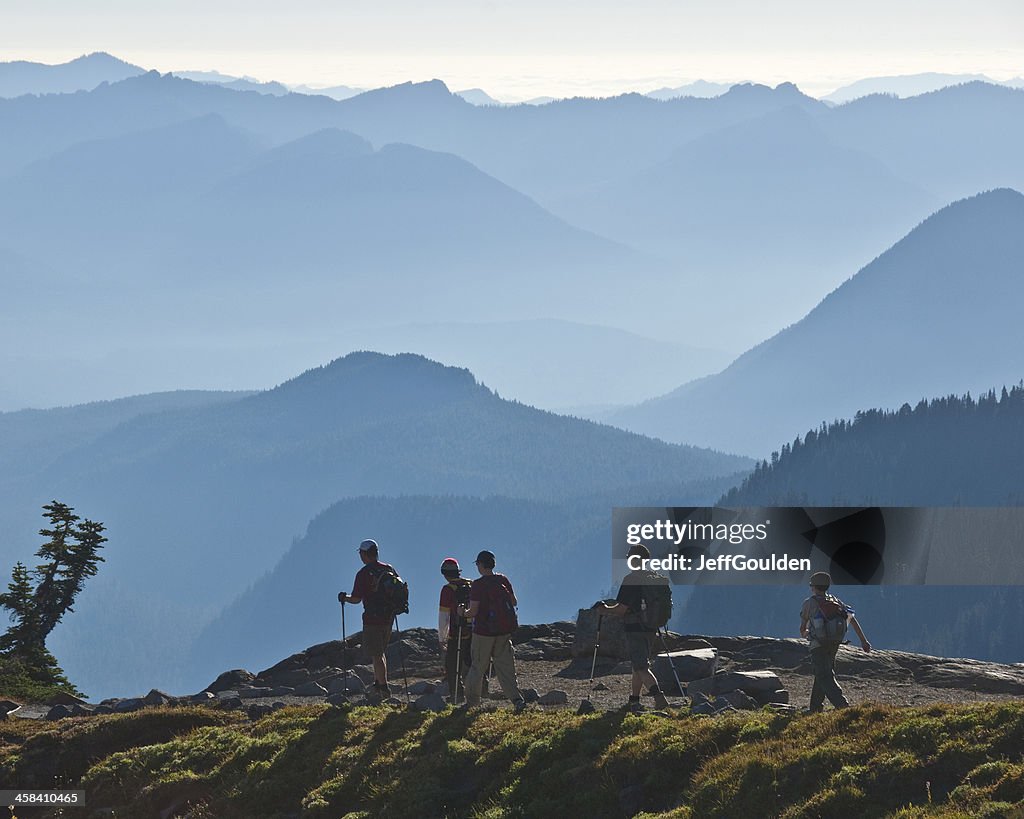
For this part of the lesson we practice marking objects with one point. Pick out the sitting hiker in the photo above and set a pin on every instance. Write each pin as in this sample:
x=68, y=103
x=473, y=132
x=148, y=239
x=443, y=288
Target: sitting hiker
x=629, y=606
x=824, y=619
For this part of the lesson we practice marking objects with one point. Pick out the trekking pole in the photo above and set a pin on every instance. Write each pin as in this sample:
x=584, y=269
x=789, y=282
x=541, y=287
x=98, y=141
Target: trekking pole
x=671, y=664
x=344, y=653
x=597, y=644
x=593, y=665
x=401, y=655
x=458, y=667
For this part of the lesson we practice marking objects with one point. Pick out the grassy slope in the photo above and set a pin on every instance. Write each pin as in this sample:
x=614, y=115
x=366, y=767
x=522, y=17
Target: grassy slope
x=318, y=761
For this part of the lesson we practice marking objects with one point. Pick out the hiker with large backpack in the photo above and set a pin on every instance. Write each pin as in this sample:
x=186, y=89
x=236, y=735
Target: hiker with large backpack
x=492, y=607
x=824, y=621
x=384, y=595
x=454, y=631
x=644, y=603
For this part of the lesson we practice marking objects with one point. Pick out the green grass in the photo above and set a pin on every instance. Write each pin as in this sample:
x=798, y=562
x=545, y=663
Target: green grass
x=323, y=762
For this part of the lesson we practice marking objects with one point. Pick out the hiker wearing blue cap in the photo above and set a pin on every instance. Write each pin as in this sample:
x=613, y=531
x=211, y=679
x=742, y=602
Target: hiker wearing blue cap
x=377, y=614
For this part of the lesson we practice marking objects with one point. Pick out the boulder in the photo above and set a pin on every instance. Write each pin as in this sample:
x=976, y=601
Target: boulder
x=281, y=691
x=972, y=676
x=779, y=697
x=8, y=707
x=230, y=680
x=311, y=689
x=695, y=664
x=364, y=673
x=202, y=697
x=346, y=685
x=750, y=682
x=586, y=707
x=738, y=700
x=58, y=712
x=543, y=648
x=129, y=705
x=335, y=699
x=155, y=697
x=563, y=631
x=555, y=697
x=286, y=677
x=529, y=694
x=229, y=703
x=227, y=695
x=254, y=693
x=63, y=698
x=422, y=687
x=83, y=710
x=613, y=637
x=430, y=702
x=256, y=711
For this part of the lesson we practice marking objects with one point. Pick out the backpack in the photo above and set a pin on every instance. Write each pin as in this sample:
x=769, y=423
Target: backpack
x=496, y=614
x=656, y=597
x=393, y=592
x=461, y=589
x=829, y=624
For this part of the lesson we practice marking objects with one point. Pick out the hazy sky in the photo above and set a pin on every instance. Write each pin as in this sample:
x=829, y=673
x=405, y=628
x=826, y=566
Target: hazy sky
x=530, y=47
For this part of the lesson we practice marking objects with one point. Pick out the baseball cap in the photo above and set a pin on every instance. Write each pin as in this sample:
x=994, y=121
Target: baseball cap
x=368, y=546
x=821, y=579
x=487, y=558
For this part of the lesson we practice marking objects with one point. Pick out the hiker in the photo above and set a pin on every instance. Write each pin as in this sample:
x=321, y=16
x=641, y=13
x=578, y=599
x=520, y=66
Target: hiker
x=492, y=607
x=377, y=614
x=630, y=606
x=824, y=619
x=453, y=630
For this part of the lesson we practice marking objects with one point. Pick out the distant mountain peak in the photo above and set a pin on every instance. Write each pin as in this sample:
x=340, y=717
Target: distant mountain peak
x=372, y=377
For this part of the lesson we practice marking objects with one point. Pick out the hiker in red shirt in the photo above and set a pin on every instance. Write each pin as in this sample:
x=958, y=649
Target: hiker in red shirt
x=377, y=616
x=493, y=609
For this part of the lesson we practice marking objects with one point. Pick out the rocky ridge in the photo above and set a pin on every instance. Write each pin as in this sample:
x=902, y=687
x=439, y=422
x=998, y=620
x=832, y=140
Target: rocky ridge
x=554, y=663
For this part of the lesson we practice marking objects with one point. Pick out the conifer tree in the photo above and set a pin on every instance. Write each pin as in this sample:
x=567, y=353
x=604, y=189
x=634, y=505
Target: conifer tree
x=69, y=556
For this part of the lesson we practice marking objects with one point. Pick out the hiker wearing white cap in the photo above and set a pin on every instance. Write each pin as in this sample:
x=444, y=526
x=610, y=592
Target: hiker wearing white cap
x=824, y=620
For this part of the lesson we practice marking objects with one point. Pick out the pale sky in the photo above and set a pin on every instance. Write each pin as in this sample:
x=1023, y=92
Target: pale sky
x=529, y=48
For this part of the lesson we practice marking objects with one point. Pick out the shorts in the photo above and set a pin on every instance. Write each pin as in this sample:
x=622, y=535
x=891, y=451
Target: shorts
x=639, y=645
x=375, y=639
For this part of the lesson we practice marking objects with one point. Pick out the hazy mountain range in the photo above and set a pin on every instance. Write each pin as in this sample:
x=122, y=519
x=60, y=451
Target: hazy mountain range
x=166, y=194
x=935, y=314
x=910, y=85
x=81, y=74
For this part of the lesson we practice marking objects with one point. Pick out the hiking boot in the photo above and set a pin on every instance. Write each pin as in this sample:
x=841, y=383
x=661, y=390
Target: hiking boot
x=634, y=706
x=519, y=706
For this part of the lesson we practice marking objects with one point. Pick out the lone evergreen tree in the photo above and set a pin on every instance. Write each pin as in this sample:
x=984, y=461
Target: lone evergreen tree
x=69, y=555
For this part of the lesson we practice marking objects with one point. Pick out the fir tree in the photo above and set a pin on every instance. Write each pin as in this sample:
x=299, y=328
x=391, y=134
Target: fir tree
x=69, y=556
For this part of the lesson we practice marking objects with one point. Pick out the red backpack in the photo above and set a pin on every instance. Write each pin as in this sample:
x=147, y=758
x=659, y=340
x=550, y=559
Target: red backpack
x=496, y=615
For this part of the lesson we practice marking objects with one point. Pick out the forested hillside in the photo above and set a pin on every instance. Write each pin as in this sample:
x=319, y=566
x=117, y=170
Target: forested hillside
x=954, y=451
